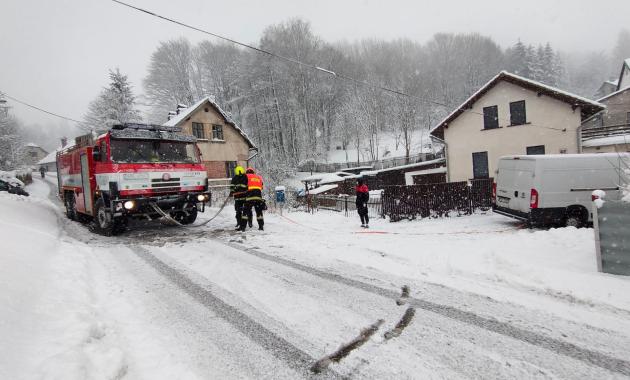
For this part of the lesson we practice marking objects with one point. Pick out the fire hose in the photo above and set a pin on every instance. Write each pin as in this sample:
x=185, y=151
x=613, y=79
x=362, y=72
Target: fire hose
x=173, y=221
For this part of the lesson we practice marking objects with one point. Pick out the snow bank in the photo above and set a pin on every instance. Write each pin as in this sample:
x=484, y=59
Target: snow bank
x=49, y=326
x=11, y=177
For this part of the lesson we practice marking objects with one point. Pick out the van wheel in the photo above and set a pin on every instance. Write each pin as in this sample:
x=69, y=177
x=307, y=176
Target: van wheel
x=575, y=217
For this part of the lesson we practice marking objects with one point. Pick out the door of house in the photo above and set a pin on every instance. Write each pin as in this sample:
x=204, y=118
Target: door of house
x=480, y=165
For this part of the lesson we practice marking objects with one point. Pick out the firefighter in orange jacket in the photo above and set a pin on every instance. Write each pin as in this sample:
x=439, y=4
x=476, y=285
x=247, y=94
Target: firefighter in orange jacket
x=254, y=199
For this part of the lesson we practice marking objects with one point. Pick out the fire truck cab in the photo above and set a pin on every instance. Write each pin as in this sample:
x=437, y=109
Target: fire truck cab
x=132, y=171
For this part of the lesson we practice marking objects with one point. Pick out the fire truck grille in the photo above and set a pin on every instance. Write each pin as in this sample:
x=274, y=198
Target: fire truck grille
x=170, y=185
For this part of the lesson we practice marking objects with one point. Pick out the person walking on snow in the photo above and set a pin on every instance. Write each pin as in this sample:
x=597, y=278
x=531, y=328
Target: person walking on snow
x=254, y=199
x=238, y=190
x=363, y=196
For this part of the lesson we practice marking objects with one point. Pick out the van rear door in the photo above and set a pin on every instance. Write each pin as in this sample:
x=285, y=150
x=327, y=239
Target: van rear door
x=515, y=180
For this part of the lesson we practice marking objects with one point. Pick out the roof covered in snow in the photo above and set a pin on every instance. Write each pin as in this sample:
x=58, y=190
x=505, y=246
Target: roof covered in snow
x=33, y=145
x=610, y=140
x=322, y=189
x=408, y=166
x=50, y=158
x=588, y=107
x=607, y=97
x=187, y=112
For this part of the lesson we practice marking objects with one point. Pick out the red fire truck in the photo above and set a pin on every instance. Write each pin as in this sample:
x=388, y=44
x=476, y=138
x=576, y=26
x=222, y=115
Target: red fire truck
x=132, y=171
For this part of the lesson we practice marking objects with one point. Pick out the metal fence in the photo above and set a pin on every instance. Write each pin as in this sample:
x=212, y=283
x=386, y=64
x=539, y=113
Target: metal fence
x=439, y=199
x=612, y=238
x=345, y=205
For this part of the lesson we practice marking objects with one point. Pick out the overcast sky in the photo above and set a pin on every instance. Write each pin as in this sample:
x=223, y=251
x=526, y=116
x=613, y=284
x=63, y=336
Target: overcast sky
x=56, y=54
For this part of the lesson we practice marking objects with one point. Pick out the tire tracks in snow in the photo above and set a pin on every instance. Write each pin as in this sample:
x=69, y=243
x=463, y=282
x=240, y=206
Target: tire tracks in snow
x=294, y=357
x=301, y=361
x=585, y=355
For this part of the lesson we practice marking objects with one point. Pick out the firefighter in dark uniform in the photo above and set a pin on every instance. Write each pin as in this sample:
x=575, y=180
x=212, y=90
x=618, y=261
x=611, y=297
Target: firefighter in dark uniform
x=254, y=199
x=238, y=189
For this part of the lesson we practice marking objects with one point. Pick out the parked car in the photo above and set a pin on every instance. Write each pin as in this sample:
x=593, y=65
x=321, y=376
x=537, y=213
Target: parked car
x=548, y=190
x=6, y=186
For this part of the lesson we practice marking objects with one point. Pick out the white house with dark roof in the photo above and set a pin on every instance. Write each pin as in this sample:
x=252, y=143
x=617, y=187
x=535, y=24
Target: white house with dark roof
x=510, y=115
x=31, y=153
x=222, y=143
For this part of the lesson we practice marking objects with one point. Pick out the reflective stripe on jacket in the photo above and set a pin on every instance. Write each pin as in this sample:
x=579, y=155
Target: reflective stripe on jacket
x=238, y=187
x=254, y=187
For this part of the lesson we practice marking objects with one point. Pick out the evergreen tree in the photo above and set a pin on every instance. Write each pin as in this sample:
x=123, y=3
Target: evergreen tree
x=114, y=105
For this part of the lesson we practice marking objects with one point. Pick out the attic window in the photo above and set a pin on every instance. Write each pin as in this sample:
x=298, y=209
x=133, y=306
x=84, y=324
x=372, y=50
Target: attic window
x=517, y=113
x=490, y=117
x=206, y=109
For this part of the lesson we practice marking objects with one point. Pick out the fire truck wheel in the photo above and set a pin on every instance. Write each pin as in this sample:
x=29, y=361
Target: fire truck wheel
x=71, y=211
x=189, y=218
x=103, y=219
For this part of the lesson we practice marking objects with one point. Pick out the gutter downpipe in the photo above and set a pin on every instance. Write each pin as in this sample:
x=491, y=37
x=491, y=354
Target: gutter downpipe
x=579, y=138
x=448, y=171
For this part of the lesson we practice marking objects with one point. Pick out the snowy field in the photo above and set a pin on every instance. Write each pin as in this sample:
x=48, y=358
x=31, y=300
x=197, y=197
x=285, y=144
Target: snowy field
x=491, y=299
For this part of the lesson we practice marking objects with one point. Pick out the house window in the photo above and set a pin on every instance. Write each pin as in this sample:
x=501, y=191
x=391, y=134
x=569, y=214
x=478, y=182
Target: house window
x=563, y=151
x=517, y=113
x=480, y=165
x=229, y=168
x=628, y=118
x=197, y=130
x=217, y=132
x=33, y=154
x=490, y=117
x=536, y=149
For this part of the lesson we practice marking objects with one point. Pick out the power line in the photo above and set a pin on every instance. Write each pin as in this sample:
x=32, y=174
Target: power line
x=279, y=56
x=308, y=65
x=41, y=109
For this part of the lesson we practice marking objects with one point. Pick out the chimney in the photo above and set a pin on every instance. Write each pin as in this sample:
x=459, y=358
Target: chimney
x=64, y=142
x=181, y=107
x=171, y=114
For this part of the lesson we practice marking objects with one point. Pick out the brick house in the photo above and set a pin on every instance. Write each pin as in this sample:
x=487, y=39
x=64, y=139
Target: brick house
x=222, y=143
x=609, y=130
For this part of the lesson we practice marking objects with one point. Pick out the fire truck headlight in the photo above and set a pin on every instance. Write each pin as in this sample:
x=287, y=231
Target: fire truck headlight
x=202, y=197
x=129, y=205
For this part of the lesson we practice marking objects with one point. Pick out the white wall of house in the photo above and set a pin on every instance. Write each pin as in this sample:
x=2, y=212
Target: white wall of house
x=466, y=135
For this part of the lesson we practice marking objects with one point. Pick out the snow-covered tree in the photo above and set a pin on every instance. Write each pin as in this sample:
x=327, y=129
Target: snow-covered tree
x=171, y=80
x=114, y=105
x=10, y=138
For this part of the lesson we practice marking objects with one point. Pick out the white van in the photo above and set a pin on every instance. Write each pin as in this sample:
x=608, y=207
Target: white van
x=556, y=189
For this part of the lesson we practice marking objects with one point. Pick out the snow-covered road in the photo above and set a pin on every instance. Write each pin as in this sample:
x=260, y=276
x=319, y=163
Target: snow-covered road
x=491, y=300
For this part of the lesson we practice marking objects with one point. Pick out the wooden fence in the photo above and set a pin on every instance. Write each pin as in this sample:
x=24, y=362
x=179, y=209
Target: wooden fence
x=439, y=199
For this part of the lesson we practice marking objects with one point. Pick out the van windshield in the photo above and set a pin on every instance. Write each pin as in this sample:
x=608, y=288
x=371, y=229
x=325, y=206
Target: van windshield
x=127, y=151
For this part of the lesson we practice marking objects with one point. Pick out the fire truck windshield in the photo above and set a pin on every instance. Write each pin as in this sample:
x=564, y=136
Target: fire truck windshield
x=129, y=150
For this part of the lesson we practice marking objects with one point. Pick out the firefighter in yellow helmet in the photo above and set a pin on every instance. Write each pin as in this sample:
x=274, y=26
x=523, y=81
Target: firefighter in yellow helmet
x=254, y=199
x=238, y=190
